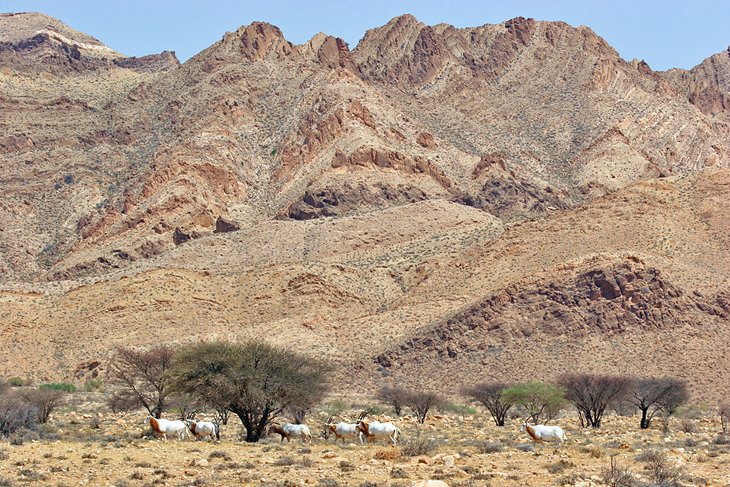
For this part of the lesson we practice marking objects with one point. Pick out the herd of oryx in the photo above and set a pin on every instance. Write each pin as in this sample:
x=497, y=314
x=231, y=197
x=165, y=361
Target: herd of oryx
x=362, y=429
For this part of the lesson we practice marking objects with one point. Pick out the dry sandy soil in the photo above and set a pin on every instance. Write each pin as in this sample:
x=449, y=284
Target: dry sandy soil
x=467, y=451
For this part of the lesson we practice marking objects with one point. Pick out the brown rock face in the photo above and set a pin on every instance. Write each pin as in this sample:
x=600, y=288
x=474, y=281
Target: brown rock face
x=611, y=302
x=224, y=226
x=707, y=85
x=348, y=200
x=425, y=139
x=510, y=198
x=260, y=41
x=150, y=64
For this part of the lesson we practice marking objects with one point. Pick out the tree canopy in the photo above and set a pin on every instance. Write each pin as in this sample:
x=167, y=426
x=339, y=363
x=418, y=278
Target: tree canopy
x=254, y=380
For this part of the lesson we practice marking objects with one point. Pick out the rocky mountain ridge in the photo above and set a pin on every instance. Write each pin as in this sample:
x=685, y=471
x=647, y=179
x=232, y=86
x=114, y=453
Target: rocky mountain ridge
x=377, y=192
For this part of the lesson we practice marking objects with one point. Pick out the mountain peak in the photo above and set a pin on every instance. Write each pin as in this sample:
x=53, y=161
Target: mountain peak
x=16, y=28
x=259, y=40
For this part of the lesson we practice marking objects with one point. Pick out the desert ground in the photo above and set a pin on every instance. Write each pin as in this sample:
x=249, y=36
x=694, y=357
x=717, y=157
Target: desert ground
x=83, y=445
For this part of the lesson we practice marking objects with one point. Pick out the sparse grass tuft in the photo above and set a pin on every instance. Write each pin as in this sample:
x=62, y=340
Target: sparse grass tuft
x=560, y=467
x=490, y=447
x=219, y=454
x=284, y=461
x=526, y=447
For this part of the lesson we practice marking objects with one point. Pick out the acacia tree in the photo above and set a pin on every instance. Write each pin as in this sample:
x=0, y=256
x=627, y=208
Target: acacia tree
x=654, y=395
x=140, y=376
x=592, y=394
x=490, y=395
x=394, y=396
x=538, y=398
x=254, y=380
x=421, y=403
x=45, y=401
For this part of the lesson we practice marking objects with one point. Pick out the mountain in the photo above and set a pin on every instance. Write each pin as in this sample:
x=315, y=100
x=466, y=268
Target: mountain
x=707, y=85
x=434, y=200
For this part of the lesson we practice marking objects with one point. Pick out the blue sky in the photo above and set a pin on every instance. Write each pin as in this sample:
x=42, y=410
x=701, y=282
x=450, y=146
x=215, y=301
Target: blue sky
x=664, y=33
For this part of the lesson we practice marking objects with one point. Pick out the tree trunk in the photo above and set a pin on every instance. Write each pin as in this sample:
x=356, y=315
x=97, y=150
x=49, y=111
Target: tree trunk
x=252, y=434
x=644, y=418
x=499, y=418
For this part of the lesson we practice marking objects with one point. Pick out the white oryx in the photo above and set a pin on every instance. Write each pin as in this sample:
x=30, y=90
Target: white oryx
x=375, y=429
x=541, y=433
x=166, y=427
x=287, y=430
x=343, y=430
x=202, y=429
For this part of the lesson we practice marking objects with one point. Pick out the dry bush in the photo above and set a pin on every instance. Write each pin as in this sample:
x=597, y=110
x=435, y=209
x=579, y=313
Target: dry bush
x=16, y=414
x=570, y=479
x=526, y=447
x=219, y=454
x=122, y=401
x=615, y=476
x=490, y=446
x=660, y=470
x=722, y=440
x=560, y=466
x=689, y=426
x=387, y=454
x=417, y=446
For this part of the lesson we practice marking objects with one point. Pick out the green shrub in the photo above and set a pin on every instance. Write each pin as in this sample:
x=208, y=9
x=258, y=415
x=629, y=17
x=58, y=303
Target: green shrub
x=58, y=386
x=93, y=385
x=460, y=409
x=19, y=382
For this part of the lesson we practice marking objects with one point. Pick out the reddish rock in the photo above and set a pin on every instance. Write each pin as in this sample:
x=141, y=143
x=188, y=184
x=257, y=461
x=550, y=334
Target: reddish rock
x=425, y=139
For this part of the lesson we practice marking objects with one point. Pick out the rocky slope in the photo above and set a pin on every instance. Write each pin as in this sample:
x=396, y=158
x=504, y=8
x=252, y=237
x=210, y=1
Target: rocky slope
x=391, y=194
x=707, y=85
